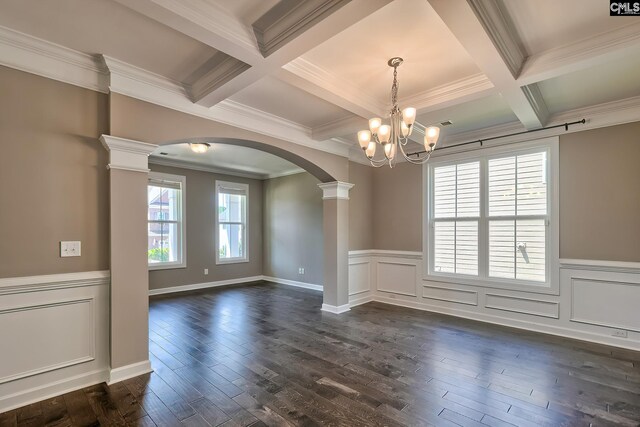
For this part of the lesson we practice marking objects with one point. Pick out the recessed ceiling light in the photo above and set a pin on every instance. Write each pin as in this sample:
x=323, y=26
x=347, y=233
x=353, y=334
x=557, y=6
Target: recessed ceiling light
x=199, y=147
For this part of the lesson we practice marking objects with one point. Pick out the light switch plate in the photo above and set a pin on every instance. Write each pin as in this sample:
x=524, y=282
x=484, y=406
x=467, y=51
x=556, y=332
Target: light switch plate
x=70, y=248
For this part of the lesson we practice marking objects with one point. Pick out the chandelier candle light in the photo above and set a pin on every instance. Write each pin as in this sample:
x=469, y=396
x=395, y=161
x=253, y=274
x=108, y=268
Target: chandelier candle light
x=395, y=136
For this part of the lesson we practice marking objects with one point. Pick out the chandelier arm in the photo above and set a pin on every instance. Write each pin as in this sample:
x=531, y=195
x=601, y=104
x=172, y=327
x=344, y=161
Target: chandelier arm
x=419, y=161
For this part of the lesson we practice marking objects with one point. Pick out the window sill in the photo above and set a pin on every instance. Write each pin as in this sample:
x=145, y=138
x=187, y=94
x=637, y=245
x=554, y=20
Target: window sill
x=530, y=287
x=167, y=266
x=232, y=261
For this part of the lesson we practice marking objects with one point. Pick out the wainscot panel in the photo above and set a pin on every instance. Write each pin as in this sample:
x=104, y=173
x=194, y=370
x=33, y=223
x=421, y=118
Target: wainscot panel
x=597, y=300
x=55, y=334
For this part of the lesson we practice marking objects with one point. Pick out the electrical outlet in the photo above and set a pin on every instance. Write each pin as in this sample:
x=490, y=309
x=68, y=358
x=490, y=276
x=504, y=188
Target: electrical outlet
x=70, y=248
x=206, y=271
x=620, y=333
x=301, y=270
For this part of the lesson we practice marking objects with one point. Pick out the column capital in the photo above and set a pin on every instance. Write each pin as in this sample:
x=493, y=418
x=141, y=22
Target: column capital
x=335, y=190
x=127, y=154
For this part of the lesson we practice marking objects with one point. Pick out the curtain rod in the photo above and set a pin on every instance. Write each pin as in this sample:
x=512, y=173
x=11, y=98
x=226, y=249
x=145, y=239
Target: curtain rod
x=481, y=141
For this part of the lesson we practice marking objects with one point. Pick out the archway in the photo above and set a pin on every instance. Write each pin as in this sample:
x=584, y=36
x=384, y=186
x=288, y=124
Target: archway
x=128, y=211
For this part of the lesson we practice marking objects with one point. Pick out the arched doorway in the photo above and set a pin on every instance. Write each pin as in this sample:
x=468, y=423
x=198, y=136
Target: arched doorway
x=129, y=285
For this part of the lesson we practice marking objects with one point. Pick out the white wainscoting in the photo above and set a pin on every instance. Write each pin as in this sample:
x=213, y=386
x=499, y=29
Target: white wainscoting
x=62, y=342
x=596, y=298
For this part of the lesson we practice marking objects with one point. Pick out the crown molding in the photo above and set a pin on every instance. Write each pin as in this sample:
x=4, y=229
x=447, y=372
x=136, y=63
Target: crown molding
x=310, y=72
x=290, y=18
x=584, y=53
x=462, y=90
x=105, y=74
x=204, y=21
x=597, y=116
x=502, y=32
x=222, y=68
x=176, y=163
x=537, y=103
x=135, y=82
x=40, y=57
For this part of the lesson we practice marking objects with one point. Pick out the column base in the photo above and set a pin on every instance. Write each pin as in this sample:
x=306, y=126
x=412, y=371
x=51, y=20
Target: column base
x=336, y=309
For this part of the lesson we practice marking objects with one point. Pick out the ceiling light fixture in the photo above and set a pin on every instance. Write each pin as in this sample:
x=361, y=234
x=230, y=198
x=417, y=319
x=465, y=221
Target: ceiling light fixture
x=395, y=136
x=199, y=147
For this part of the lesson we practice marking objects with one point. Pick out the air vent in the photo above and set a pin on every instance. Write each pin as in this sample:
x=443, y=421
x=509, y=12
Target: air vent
x=162, y=153
x=446, y=123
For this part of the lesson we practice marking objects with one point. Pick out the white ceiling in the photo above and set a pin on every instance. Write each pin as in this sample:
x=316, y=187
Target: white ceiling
x=546, y=24
x=286, y=101
x=603, y=83
x=225, y=158
x=460, y=65
x=406, y=28
x=106, y=27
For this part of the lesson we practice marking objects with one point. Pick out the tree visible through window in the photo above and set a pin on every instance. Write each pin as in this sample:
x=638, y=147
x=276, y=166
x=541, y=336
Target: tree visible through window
x=165, y=232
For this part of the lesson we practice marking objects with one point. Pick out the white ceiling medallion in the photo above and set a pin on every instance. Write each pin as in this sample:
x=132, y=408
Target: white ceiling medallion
x=395, y=136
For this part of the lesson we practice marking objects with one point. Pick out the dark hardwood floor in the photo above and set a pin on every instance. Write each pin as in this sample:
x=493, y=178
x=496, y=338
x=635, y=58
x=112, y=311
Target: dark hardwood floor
x=266, y=355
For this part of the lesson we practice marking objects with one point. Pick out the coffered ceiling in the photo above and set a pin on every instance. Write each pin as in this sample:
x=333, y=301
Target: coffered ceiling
x=313, y=71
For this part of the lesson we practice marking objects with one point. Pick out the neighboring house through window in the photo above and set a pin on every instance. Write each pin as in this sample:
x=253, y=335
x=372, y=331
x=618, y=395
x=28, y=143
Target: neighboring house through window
x=231, y=222
x=166, y=232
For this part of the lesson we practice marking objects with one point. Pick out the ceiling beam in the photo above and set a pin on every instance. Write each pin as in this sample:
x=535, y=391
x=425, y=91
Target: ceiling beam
x=284, y=34
x=486, y=32
x=589, y=52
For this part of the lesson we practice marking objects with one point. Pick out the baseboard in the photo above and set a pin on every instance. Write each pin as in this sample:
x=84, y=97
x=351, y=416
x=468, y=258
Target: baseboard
x=360, y=300
x=196, y=286
x=518, y=324
x=336, y=309
x=129, y=371
x=293, y=283
x=53, y=389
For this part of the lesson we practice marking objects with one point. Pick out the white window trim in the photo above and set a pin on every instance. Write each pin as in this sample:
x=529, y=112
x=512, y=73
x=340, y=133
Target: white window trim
x=552, y=284
x=183, y=220
x=240, y=187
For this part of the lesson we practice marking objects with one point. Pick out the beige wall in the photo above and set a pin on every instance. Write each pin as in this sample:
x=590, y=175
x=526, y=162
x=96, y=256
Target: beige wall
x=600, y=194
x=293, y=234
x=360, y=207
x=397, y=208
x=53, y=176
x=200, y=192
x=142, y=121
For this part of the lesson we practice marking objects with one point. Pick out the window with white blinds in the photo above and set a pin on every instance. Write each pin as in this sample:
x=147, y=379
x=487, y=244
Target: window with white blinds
x=456, y=213
x=489, y=216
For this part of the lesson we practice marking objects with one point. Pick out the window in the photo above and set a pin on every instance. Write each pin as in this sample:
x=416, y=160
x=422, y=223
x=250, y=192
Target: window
x=231, y=219
x=492, y=217
x=166, y=228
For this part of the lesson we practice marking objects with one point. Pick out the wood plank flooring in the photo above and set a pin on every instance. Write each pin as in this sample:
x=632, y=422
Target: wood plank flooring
x=266, y=355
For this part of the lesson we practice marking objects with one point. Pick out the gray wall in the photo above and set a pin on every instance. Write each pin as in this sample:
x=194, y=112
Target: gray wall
x=53, y=176
x=397, y=207
x=360, y=207
x=293, y=228
x=599, y=198
x=200, y=218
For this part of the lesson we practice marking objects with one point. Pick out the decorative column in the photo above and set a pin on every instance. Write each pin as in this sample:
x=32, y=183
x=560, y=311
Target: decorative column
x=335, y=221
x=128, y=178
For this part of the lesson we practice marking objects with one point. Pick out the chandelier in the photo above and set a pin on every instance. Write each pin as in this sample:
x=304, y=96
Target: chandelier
x=395, y=136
